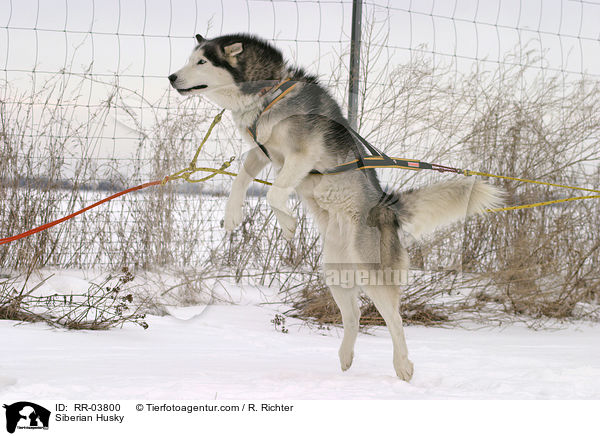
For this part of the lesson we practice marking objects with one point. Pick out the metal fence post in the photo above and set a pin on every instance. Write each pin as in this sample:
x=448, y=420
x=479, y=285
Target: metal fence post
x=354, y=70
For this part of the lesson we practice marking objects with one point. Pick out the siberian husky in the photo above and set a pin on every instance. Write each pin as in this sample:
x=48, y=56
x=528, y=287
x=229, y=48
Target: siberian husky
x=304, y=135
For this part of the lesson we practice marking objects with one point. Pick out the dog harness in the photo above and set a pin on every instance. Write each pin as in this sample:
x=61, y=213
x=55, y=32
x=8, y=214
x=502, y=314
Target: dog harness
x=278, y=92
x=376, y=159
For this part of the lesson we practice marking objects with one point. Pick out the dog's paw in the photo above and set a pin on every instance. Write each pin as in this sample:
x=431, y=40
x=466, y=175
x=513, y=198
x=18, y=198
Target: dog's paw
x=346, y=357
x=233, y=216
x=404, y=369
x=287, y=223
x=263, y=133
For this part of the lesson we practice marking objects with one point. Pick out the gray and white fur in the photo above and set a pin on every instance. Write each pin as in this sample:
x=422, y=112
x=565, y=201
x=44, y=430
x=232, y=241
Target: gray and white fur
x=359, y=223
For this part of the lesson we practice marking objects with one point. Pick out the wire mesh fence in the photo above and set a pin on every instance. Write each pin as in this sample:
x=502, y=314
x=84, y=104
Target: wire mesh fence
x=86, y=109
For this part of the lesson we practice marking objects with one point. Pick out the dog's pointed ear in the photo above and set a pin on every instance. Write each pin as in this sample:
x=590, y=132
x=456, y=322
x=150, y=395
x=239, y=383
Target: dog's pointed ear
x=233, y=49
x=199, y=38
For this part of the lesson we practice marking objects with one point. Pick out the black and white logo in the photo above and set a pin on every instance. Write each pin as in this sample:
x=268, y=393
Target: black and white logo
x=26, y=415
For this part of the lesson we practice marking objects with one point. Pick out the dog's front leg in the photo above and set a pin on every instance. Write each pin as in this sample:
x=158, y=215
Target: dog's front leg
x=294, y=169
x=254, y=162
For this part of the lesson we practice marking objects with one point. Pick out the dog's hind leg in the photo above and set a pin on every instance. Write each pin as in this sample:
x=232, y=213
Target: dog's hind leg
x=347, y=301
x=339, y=269
x=254, y=162
x=386, y=299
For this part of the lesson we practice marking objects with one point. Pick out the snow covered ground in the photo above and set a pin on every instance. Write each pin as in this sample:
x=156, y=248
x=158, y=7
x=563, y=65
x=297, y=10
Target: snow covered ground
x=235, y=352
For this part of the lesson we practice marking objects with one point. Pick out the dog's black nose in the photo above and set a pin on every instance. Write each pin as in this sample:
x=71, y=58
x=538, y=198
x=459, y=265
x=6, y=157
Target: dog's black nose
x=172, y=78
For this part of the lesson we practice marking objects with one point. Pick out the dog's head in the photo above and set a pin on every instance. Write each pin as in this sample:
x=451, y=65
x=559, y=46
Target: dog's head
x=228, y=64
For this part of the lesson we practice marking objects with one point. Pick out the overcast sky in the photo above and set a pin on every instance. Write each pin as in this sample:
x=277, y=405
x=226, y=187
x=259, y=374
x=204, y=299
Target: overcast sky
x=153, y=37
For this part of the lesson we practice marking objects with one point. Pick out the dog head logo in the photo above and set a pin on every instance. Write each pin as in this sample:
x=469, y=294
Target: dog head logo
x=26, y=415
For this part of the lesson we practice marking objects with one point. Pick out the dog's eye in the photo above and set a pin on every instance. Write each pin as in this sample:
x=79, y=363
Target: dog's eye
x=201, y=61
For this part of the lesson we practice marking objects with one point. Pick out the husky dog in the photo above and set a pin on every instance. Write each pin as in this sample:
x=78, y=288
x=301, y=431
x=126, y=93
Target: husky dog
x=304, y=135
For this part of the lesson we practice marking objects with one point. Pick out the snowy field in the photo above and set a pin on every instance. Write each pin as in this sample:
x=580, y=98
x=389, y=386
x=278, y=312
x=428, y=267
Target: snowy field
x=233, y=351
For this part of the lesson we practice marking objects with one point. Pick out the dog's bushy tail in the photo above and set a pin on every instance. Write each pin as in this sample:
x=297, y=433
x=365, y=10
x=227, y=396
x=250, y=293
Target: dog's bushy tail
x=444, y=203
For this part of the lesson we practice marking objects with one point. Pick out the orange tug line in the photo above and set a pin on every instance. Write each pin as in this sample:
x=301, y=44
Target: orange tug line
x=79, y=212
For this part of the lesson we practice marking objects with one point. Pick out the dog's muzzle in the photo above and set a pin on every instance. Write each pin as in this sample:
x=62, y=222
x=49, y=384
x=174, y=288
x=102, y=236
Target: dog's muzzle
x=173, y=78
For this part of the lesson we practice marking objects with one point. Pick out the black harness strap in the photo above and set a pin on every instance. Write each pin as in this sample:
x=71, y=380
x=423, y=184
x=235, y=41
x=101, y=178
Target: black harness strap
x=378, y=159
x=278, y=92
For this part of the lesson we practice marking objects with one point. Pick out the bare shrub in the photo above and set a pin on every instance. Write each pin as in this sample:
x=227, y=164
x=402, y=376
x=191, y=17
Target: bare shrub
x=533, y=265
x=543, y=261
x=105, y=305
